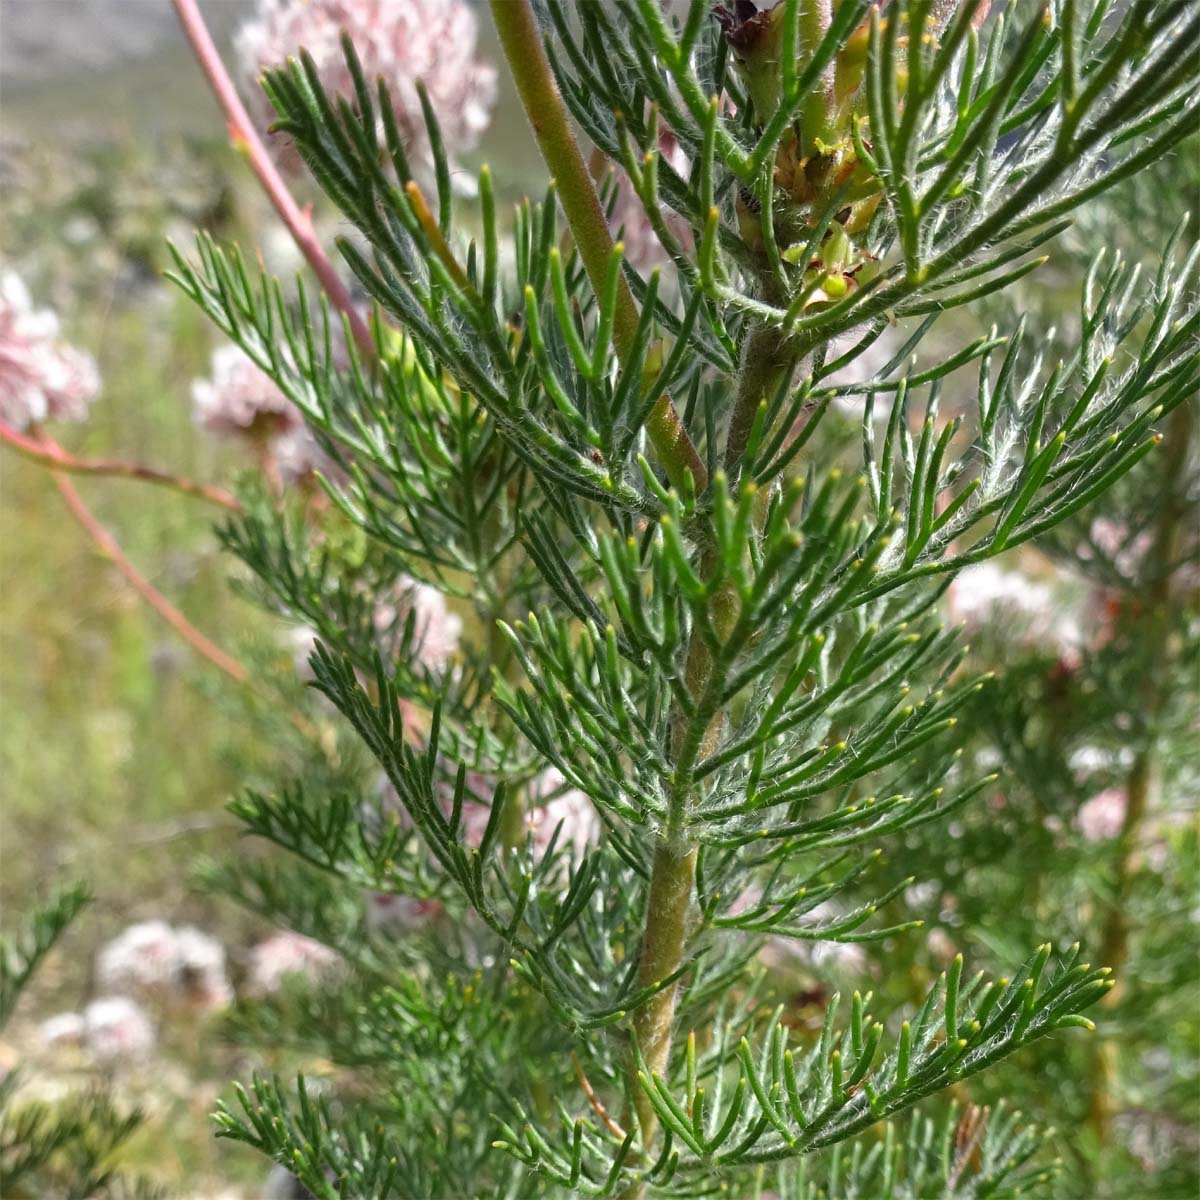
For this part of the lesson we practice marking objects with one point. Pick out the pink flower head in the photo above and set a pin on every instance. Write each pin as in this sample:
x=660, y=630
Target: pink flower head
x=200, y=979
x=297, y=456
x=1113, y=540
x=824, y=957
x=41, y=378
x=63, y=1029
x=1103, y=816
x=400, y=41
x=985, y=592
x=436, y=628
x=285, y=954
x=181, y=966
x=240, y=399
x=388, y=915
x=117, y=1030
x=563, y=806
x=141, y=959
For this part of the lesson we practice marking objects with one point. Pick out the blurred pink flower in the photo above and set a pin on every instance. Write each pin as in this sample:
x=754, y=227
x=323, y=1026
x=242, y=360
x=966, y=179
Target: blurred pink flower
x=436, y=629
x=1113, y=541
x=301, y=643
x=116, y=1030
x=388, y=915
x=285, y=954
x=174, y=966
x=781, y=953
x=1103, y=816
x=984, y=593
x=941, y=945
x=402, y=41
x=297, y=456
x=200, y=979
x=66, y=1028
x=142, y=958
x=552, y=804
x=786, y=954
x=240, y=399
x=41, y=378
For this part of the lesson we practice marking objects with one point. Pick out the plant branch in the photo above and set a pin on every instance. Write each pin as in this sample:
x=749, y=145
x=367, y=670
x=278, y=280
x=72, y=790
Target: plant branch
x=110, y=549
x=153, y=597
x=48, y=452
x=241, y=130
x=547, y=115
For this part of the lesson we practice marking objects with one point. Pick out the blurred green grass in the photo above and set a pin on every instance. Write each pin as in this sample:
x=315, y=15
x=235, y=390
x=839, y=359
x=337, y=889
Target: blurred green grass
x=119, y=747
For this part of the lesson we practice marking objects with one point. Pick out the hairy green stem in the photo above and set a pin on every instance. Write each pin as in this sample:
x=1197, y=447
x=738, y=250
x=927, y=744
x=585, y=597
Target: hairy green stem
x=766, y=359
x=522, y=44
x=667, y=909
x=673, y=876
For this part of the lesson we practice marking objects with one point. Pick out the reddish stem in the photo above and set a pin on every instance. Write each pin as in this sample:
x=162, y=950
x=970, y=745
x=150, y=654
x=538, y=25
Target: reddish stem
x=161, y=605
x=245, y=138
x=47, y=451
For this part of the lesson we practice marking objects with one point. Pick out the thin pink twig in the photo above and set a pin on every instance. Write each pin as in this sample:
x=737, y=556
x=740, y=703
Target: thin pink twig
x=48, y=452
x=241, y=129
x=144, y=588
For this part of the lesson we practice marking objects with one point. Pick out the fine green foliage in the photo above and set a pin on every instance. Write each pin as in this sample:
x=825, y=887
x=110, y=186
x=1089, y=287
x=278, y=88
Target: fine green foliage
x=23, y=949
x=66, y=1147
x=706, y=613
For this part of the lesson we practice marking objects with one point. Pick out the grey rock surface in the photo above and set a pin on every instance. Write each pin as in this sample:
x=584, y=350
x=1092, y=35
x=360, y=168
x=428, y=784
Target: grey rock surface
x=46, y=39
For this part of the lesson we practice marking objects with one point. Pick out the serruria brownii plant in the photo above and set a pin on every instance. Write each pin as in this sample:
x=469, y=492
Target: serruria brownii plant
x=691, y=605
x=710, y=618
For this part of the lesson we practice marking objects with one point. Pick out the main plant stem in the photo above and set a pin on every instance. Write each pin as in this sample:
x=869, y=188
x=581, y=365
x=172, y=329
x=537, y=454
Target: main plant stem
x=672, y=881
x=547, y=115
x=1143, y=781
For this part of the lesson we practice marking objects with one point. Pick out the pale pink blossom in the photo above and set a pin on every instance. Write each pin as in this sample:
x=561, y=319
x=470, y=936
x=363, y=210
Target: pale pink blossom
x=41, y=377
x=173, y=966
x=984, y=593
x=63, y=1029
x=301, y=642
x=143, y=958
x=1112, y=539
x=240, y=399
x=297, y=455
x=553, y=804
x=1090, y=760
x=200, y=978
x=400, y=41
x=941, y=945
x=782, y=953
x=281, y=1184
x=436, y=629
x=1103, y=816
x=116, y=1030
x=287, y=954
x=785, y=953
